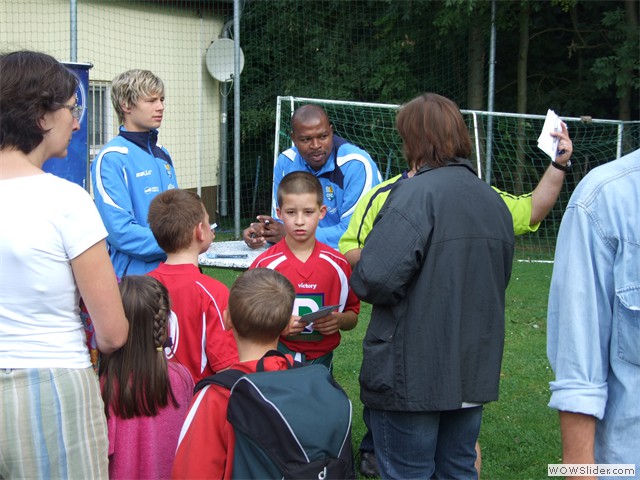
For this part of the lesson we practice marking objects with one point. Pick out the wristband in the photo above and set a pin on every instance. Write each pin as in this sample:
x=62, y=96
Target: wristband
x=565, y=168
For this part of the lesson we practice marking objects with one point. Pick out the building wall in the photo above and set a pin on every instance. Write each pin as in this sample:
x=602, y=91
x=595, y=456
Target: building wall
x=114, y=36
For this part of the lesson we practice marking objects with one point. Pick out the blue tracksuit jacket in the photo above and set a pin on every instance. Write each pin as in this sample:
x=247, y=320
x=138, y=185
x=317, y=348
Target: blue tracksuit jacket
x=126, y=175
x=348, y=174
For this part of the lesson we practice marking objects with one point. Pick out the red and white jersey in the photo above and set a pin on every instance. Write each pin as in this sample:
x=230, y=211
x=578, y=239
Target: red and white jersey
x=320, y=281
x=199, y=339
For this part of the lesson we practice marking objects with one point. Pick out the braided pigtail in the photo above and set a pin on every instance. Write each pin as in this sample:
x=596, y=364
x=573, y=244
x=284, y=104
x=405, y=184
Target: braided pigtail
x=160, y=335
x=161, y=320
x=136, y=378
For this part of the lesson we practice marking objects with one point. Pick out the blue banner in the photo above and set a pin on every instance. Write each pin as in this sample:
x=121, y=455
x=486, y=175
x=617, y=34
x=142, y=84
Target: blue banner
x=75, y=166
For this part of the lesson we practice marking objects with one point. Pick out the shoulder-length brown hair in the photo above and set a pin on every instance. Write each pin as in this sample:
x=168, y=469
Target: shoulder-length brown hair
x=433, y=131
x=135, y=378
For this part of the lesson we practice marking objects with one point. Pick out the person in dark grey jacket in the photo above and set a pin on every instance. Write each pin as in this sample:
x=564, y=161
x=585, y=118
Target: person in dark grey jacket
x=435, y=267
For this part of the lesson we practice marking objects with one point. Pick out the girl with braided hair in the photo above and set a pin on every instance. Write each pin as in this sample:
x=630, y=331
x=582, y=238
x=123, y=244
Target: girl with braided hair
x=146, y=398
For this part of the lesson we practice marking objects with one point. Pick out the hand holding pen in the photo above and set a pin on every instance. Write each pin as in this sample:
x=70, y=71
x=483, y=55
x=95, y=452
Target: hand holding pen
x=266, y=229
x=564, y=147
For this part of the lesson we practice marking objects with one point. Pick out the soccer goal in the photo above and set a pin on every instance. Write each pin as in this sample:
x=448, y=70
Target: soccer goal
x=505, y=150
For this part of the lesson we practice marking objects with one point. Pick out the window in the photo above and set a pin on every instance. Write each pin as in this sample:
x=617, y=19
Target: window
x=100, y=116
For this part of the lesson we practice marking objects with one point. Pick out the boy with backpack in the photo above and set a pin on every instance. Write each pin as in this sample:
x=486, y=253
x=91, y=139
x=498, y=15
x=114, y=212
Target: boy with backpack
x=199, y=341
x=260, y=305
x=319, y=274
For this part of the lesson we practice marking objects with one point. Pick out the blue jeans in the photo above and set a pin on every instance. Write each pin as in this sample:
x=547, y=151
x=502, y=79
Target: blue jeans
x=426, y=445
x=366, y=445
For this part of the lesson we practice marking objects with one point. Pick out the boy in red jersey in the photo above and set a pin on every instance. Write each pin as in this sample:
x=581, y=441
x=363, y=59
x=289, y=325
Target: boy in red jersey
x=180, y=223
x=260, y=305
x=319, y=274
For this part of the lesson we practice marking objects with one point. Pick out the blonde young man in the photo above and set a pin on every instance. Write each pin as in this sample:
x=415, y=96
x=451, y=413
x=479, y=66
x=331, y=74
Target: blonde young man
x=319, y=273
x=131, y=170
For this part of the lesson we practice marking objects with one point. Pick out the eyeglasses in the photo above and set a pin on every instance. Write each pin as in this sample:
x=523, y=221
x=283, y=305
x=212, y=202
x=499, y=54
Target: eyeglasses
x=76, y=110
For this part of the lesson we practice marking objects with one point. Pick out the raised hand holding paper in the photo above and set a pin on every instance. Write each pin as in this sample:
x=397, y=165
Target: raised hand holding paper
x=546, y=142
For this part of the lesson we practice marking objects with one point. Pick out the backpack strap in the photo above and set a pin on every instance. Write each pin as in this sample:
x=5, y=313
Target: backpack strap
x=277, y=353
x=226, y=379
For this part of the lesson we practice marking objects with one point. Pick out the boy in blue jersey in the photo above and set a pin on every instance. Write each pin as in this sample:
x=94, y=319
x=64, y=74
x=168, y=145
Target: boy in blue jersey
x=131, y=170
x=345, y=172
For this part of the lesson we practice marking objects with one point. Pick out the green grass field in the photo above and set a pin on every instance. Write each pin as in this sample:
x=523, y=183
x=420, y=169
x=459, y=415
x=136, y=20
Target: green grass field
x=520, y=434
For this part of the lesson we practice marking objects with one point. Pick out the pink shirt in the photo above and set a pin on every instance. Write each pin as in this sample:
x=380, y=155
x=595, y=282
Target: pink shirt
x=144, y=447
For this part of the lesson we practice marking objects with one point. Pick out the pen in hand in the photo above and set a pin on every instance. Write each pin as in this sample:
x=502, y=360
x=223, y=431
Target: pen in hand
x=266, y=224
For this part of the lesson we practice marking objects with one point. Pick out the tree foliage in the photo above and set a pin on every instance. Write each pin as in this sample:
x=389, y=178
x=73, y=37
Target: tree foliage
x=620, y=67
x=582, y=54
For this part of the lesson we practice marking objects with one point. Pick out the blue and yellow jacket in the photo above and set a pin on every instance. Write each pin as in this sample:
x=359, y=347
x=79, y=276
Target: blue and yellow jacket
x=126, y=175
x=346, y=177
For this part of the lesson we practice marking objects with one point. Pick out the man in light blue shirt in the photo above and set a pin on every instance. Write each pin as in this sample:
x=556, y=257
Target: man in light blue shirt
x=593, y=339
x=345, y=171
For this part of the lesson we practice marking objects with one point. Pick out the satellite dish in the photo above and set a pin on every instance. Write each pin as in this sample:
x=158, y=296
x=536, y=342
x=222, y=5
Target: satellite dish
x=220, y=59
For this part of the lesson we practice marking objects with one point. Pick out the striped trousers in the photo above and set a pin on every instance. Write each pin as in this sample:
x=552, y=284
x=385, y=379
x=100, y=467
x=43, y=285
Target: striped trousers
x=52, y=424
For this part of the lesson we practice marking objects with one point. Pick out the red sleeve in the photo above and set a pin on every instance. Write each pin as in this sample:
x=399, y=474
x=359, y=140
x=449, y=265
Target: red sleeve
x=255, y=262
x=353, y=302
x=205, y=448
x=221, y=349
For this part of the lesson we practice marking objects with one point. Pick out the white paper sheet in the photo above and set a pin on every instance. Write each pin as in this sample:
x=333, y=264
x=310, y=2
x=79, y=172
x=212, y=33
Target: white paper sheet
x=546, y=142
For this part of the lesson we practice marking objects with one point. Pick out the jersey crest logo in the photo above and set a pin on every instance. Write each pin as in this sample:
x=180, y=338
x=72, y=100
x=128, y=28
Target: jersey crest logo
x=329, y=193
x=167, y=167
x=307, y=303
x=173, y=336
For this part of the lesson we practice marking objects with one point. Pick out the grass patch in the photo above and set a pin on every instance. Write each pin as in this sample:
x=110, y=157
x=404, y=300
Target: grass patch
x=225, y=275
x=520, y=434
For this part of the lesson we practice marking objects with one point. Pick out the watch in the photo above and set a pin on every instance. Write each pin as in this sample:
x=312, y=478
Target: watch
x=565, y=168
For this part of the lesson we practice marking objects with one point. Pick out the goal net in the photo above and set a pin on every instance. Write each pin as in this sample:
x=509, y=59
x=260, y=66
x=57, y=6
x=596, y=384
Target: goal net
x=505, y=150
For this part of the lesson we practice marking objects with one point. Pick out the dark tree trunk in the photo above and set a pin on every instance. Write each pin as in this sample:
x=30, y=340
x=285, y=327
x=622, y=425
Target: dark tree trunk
x=523, y=54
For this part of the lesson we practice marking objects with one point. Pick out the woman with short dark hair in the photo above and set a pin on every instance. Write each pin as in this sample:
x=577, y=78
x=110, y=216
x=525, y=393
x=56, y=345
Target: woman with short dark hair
x=435, y=268
x=52, y=251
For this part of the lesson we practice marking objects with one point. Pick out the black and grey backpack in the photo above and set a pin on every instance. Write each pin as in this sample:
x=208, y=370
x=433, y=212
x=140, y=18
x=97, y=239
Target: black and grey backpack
x=291, y=424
